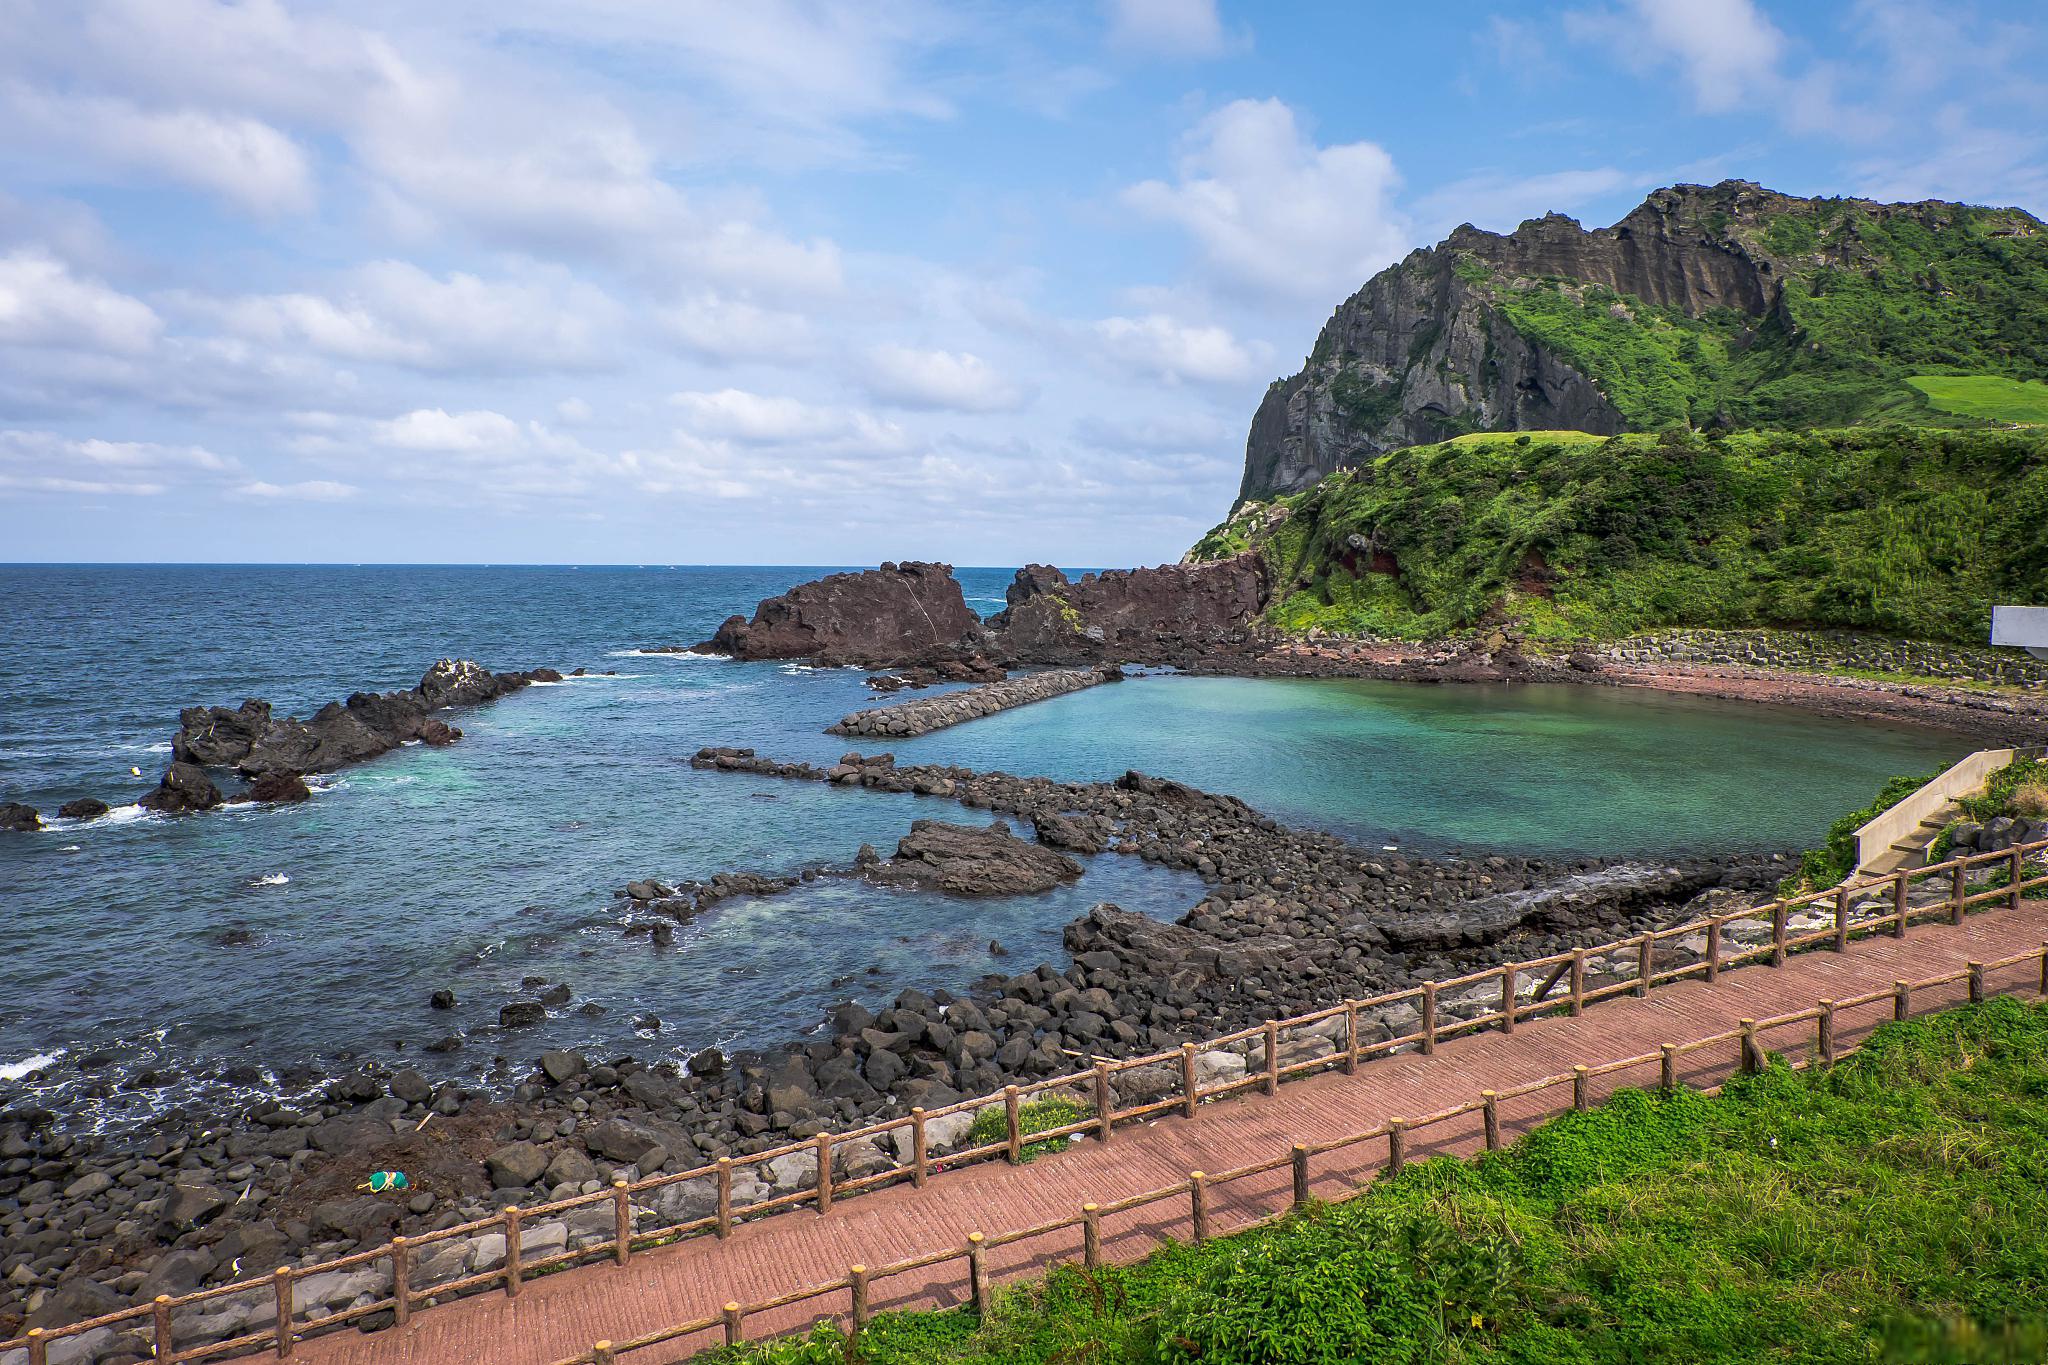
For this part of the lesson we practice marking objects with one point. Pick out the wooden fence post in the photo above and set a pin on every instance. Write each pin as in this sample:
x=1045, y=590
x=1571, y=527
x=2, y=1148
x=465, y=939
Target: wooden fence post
x=1300, y=1174
x=1667, y=1067
x=1825, y=1026
x=622, y=1219
x=38, y=1349
x=724, y=1196
x=1579, y=1089
x=1958, y=887
x=977, y=1273
x=1489, y=1104
x=1198, y=1204
x=2044, y=968
x=1428, y=1018
x=1187, y=1079
x=733, y=1318
x=1899, y=903
x=601, y=1354
x=1777, y=933
x=1902, y=1000
x=512, y=1216
x=1272, y=1057
x=1976, y=983
x=1397, y=1145
x=1645, y=968
x=920, y=1153
x=165, y=1345
x=857, y=1285
x=1578, y=982
x=1091, y=1235
x=1841, y=919
x=281, y=1284
x=824, y=1173
x=1105, y=1107
x=2019, y=875
x=1507, y=998
x=401, y=1282
x=1013, y=1124
x=1351, y=1037
x=1714, y=947
x=1748, y=1064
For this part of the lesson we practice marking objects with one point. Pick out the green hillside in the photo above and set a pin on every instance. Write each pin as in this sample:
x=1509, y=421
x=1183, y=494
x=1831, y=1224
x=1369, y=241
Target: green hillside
x=1895, y=530
x=1986, y=396
x=1869, y=301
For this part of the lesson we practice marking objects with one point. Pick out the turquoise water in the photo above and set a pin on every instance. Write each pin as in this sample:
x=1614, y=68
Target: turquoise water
x=294, y=936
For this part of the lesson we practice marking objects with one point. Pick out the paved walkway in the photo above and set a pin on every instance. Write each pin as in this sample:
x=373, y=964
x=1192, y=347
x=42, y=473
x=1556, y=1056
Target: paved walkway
x=562, y=1315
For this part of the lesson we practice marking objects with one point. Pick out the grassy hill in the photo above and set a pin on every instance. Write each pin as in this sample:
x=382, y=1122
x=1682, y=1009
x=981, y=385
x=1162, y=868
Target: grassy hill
x=1901, y=531
x=1995, y=399
x=1894, y=1208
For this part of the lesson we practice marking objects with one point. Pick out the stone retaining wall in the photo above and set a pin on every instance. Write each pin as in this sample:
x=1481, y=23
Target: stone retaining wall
x=1831, y=650
x=910, y=718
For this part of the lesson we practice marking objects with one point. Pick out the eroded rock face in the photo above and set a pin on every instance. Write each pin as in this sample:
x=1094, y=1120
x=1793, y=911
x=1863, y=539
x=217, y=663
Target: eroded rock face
x=1130, y=613
x=963, y=860
x=897, y=614
x=185, y=788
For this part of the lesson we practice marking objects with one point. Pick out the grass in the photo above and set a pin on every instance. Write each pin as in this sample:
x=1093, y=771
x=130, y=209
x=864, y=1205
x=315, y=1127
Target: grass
x=1035, y=1116
x=1894, y=1208
x=1903, y=531
x=1985, y=395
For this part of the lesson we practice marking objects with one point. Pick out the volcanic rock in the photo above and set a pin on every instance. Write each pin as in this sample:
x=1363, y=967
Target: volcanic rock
x=84, y=808
x=19, y=818
x=185, y=787
x=877, y=618
x=965, y=860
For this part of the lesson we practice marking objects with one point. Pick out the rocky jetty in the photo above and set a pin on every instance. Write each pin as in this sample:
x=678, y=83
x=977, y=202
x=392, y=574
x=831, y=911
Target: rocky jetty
x=898, y=614
x=926, y=714
x=963, y=860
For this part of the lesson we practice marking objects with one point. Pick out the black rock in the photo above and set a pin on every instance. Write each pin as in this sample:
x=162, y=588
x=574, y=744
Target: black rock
x=521, y=1014
x=443, y=999
x=84, y=808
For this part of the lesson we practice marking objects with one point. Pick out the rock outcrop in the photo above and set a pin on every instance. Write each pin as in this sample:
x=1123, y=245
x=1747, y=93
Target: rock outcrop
x=965, y=860
x=257, y=744
x=1145, y=614
x=18, y=818
x=896, y=615
x=925, y=714
x=185, y=788
x=1491, y=332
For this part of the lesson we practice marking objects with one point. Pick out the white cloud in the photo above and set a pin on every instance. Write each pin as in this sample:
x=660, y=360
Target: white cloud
x=956, y=381
x=460, y=433
x=1167, y=28
x=43, y=304
x=574, y=410
x=394, y=312
x=763, y=419
x=309, y=490
x=724, y=330
x=1178, y=352
x=47, y=462
x=240, y=159
x=1273, y=212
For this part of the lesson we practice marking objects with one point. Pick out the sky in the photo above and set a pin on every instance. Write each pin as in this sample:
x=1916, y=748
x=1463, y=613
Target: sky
x=825, y=281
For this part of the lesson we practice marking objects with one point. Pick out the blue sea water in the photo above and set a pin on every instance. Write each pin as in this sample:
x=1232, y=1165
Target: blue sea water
x=305, y=935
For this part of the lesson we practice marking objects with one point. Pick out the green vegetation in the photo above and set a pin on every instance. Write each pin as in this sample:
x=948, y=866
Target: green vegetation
x=1052, y=1111
x=1893, y=1208
x=1884, y=316
x=1836, y=859
x=1988, y=396
x=2020, y=788
x=1890, y=530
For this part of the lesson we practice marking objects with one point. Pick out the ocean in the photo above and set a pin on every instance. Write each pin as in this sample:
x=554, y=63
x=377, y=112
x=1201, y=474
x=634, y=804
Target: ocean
x=270, y=946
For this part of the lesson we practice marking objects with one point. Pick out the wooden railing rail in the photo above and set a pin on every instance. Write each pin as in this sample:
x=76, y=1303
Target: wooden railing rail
x=1398, y=1133
x=1345, y=1049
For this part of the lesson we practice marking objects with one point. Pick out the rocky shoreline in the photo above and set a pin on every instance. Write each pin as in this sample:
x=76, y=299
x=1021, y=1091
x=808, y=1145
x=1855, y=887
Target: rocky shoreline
x=1292, y=920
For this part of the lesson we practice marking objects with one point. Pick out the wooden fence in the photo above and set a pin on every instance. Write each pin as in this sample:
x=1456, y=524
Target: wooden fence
x=1525, y=990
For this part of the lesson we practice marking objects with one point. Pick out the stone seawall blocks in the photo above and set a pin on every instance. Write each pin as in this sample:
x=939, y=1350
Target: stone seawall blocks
x=908, y=719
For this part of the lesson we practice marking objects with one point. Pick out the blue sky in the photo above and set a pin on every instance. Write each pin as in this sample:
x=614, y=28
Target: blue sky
x=686, y=281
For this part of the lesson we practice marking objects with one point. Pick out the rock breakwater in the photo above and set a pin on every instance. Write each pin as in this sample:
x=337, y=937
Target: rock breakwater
x=906, y=720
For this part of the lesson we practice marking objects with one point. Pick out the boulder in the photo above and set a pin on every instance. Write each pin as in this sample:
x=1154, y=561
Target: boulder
x=84, y=808
x=516, y=1164
x=522, y=1014
x=184, y=788
x=279, y=788
x=562, y=1066
x=193, y=1203
x=964, y=860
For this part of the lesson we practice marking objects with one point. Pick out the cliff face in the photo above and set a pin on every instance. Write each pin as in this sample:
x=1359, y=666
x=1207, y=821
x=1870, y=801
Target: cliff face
x=1729, y=304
